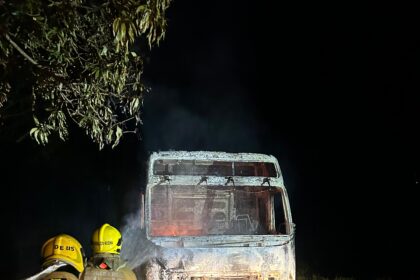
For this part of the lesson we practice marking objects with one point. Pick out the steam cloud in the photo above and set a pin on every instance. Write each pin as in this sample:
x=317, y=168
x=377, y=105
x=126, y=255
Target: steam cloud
x=136, y=249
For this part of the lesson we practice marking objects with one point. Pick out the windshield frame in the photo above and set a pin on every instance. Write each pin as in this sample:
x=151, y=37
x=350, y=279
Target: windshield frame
x=270, y=189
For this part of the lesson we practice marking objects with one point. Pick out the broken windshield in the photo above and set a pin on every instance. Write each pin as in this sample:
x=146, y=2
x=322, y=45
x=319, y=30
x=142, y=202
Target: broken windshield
x=215, y=210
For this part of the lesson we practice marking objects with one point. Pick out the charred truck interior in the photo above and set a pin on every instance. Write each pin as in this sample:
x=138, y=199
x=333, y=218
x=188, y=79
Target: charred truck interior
x=216, y=215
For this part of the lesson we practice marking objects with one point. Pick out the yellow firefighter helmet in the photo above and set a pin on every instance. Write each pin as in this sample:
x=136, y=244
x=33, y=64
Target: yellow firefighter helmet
x=106, y=239
x=64, y=248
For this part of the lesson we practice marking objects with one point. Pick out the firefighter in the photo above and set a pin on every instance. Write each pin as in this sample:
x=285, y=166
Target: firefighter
x=62, y=258
x=106, y=262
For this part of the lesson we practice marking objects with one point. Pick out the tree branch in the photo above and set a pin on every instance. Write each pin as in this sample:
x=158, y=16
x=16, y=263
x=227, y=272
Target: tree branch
x=22, y=52
x=123, y=121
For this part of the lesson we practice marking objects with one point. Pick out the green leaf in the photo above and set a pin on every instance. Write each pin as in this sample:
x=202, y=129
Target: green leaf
x=32, y=131
x=36, y=120
x=118, y=135
x=104, y=50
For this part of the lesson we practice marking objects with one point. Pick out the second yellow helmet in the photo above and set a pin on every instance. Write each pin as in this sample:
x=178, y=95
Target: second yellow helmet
x=106, y=239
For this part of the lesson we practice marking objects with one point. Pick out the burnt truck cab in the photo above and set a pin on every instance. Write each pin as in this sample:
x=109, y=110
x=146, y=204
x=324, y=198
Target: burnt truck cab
x=217, y=215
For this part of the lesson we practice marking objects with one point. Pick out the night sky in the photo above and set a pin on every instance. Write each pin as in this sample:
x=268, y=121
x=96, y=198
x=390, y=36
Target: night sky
x=332, y=92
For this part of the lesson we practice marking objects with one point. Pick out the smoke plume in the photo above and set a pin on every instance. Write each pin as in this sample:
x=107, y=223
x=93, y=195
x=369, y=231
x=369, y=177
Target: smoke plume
x=136, y=249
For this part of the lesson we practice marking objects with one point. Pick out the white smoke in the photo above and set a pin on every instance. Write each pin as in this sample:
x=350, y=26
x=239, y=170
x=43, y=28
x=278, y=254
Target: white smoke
x=136, y=249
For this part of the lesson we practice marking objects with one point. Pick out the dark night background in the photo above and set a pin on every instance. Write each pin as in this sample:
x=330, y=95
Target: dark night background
x=332, y=92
